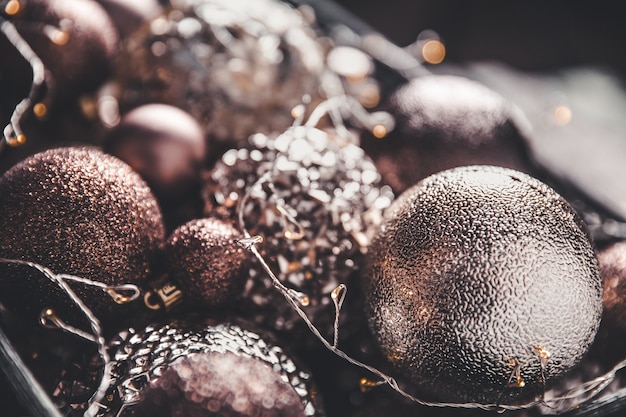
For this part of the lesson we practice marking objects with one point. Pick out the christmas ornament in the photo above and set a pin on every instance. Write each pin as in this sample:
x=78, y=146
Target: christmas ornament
x=483, y=287
x=445, y=121
x=314, y=200
x=74, y=40
x=75, y=211
x=164, y=144
x=207, y=263
x=192, y=369
x=613, y=265
x=609, y=347
x=236, y=66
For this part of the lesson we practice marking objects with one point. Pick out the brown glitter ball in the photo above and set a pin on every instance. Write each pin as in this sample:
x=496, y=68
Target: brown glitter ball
x=206, y=261
x=76, y=211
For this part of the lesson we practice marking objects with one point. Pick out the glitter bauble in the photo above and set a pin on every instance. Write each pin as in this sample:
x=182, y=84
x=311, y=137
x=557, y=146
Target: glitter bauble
x=315, y=201
x=442, y=122
x=483, y=286
x=74, y=39
x=76, y=211
x=238, y=66
x=164, y=144
x=206, y=262
x=192, y=370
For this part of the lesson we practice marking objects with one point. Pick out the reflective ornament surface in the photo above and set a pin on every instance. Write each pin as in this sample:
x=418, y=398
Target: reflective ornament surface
x=237, y=66
x=483, y=286
x=314, y=199
x=193, y=369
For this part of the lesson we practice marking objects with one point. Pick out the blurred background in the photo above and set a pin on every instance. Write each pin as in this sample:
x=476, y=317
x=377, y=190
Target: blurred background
x=561, y=62
x=529, y=35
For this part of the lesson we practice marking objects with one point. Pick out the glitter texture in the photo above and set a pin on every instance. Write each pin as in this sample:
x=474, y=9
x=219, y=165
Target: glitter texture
x=76, y=211
x=314, y=199
x=238, y=66
x=206, y=262
x=209, y=370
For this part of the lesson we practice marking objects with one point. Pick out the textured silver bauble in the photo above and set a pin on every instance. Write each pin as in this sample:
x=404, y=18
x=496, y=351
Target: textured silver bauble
x=483, y=286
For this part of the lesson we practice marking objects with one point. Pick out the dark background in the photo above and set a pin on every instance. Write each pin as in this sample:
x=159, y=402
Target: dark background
x=530, y=35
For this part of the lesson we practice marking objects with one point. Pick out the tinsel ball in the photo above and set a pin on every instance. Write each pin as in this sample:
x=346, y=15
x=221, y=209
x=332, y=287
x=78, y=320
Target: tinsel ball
x=206, y=262
x=314, y=199
x=182, y=369
x=238, y=66
x=483, y=286
x=75, y=211
x=164, y=144
x=446, y=121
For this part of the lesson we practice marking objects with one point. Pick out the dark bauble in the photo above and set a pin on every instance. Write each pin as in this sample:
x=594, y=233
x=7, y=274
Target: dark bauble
x=75, y=39
x=76, y=211
x=442, y=122
x=613, y=265
x=609, y=347
x=483, y=285
x=164, y=144
x=206, y=262
x=182, y=369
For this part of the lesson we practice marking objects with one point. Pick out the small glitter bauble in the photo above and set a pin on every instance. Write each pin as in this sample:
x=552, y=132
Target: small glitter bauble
x=442, y=122
x=238, y=66
x=164, y=144
x=206, y=262
x=74, y=39
x=76, y=211
x=315, y=201
x=190, y=369
x=483, y=286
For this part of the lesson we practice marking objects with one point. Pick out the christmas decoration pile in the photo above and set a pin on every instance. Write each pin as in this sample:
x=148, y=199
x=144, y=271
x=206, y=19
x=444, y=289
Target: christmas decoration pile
x=206, y=225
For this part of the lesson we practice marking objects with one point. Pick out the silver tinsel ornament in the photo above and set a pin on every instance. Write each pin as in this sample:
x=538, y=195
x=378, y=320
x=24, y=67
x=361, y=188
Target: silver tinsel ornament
x=237, y=66
x=315, y=199
x=196, y=369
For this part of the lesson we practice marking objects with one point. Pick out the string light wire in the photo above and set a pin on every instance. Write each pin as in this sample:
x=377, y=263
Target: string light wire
x=96, y=335
x=581, y=394
x=13, y=134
